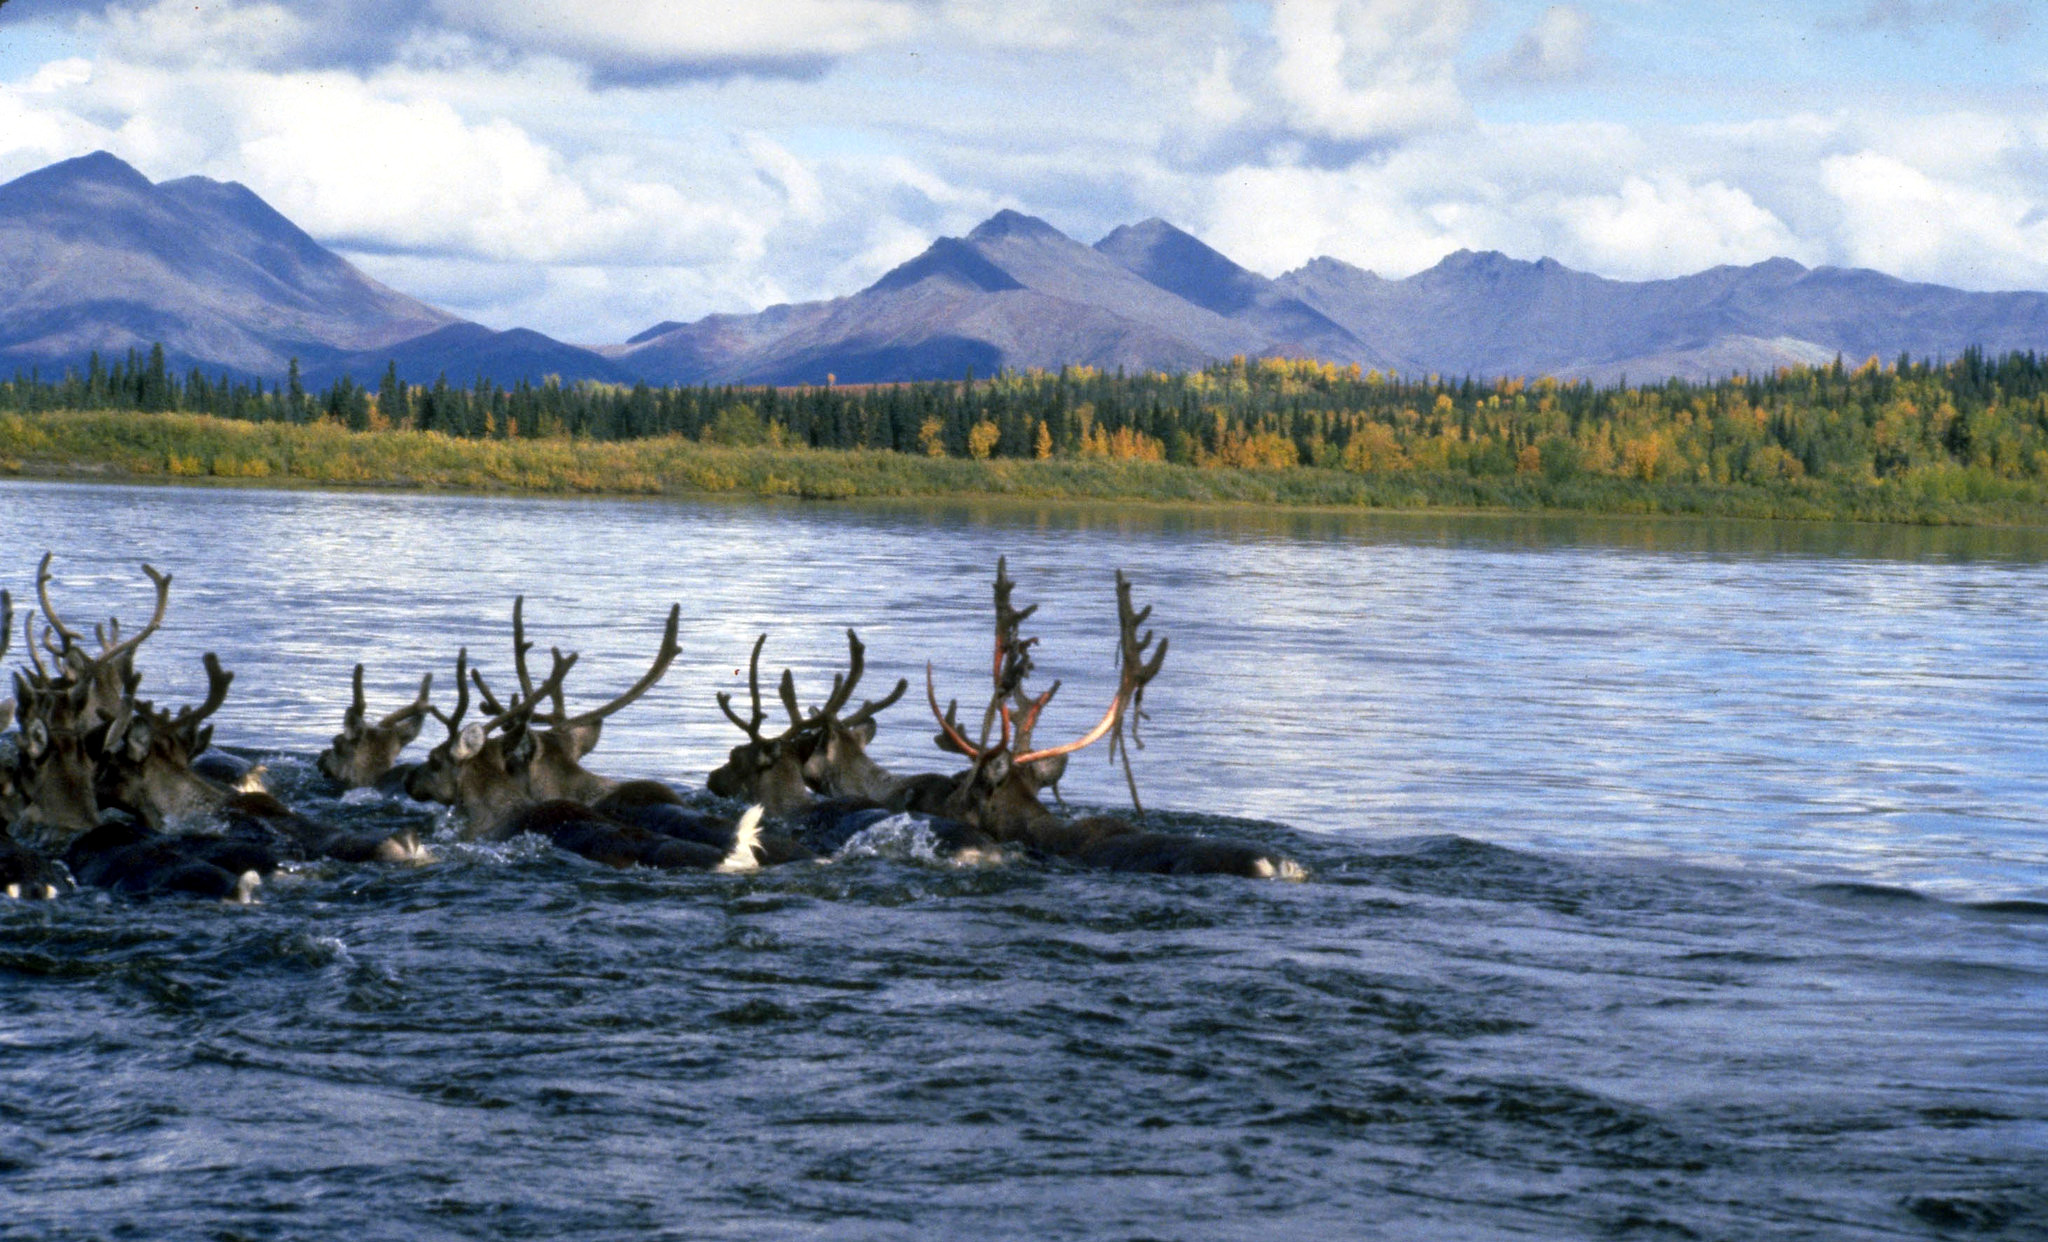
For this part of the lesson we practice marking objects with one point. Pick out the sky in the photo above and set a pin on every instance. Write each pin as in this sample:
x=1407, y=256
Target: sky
x=590, y=169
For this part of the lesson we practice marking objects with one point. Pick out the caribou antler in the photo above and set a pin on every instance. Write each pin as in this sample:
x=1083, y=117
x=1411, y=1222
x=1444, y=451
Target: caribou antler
x=842, y=688
x=1138, y=670
x=454, y=722
x=751, y=728
x=217, y=681
x=358, y=709
x=418, y=707
x=109, y=653
x=6, y=637
x=530, y=694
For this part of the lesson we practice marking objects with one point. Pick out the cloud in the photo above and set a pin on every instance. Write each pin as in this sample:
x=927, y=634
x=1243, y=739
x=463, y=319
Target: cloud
x=651, y=41
x=1558, y=48
x=1900, y=220
x=1998, y=21
x=1322, y=83
x=1368, y=70
x=1668, y=226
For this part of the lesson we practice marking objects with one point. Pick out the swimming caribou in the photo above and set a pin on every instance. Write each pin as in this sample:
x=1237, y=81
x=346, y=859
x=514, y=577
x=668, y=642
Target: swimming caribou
x=103, y=786
x=519, y=769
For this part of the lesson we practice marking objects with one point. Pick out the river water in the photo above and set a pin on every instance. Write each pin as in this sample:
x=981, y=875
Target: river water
x=1669, y=880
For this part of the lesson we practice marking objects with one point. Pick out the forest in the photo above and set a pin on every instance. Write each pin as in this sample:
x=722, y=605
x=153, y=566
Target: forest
x=1971, y=429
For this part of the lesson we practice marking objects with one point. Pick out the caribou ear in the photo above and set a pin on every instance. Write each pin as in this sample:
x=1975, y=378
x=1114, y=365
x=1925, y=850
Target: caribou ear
x=519, y=751
x=470, y=742
x=409, y=728
x=136, y=740
x=1048, y=771
x=35, y=739
x=203, y=741
x=817, y=765
x=997, y=769
x=864, y=732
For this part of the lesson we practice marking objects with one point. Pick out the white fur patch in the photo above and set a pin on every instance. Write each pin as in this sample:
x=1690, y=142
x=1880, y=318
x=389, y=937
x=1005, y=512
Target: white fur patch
x=746, y=838
x=245, y=889
x=1282, y=869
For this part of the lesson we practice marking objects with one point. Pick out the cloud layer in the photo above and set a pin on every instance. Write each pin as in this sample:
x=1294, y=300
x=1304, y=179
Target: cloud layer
x=588, y=170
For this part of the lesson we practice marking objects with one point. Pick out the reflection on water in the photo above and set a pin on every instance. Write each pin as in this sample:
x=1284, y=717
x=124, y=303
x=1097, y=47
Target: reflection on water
x=1826, y=698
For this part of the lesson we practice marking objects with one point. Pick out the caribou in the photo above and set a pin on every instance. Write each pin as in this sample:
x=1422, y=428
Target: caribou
x=90, y=746
x=103, y=786
x=506, y=775
x=815, y=775
x=364, y=755
x=1000, y=792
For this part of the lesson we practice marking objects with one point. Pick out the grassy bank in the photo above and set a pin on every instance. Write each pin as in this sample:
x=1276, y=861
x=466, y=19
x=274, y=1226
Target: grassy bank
x=127, y=446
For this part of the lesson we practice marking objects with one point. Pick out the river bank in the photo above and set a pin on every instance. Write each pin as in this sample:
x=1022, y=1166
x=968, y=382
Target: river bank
x=121, y=446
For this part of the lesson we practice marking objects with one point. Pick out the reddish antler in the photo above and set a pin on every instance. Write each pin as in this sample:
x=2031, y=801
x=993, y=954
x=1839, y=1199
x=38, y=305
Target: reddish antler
x=1137, y=671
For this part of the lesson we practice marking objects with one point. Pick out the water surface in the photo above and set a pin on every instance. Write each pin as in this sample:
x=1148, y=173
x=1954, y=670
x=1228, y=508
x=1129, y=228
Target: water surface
x=1672, y=879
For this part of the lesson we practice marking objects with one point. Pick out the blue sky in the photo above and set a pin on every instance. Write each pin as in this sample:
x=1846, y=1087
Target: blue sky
x=590, y=169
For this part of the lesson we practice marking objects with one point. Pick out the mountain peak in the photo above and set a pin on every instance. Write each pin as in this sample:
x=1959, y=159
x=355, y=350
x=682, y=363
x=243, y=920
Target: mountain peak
x=1781, y=267
x=1182, y=264
x=1151, y=231
x=1462, y=260
x=100, y=168
x=1008, y=223
x=1323, y=267
x=952, y=261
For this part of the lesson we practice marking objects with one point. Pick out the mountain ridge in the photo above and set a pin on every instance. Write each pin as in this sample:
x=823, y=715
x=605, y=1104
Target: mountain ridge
x=96, y=257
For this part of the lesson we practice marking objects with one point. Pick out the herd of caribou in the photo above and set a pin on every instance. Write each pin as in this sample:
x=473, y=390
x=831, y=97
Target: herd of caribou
x=101, y=787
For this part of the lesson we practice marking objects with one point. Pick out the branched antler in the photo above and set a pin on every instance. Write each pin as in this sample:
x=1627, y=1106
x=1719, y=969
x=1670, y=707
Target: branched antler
x=752, y=728
x=72, y=638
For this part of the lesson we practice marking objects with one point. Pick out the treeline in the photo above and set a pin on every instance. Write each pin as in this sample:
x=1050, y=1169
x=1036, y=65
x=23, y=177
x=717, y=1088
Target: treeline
x=1961, y=424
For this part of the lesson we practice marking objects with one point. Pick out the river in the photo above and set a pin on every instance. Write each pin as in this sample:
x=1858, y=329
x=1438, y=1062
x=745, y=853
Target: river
x=1668, y=880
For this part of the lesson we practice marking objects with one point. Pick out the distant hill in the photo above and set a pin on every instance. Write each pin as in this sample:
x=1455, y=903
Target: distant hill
x=1486, y=314
x=464, y=351
x=95, y=257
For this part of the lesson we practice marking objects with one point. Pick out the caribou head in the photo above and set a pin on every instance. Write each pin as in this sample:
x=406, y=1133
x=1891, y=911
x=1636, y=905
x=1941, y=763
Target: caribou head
x=54, y=767
x=819, y=751
x=765, y=770
x=999, y=793
x=65, y=707
x=146, y=757
x=362, y=753
x=519, y=755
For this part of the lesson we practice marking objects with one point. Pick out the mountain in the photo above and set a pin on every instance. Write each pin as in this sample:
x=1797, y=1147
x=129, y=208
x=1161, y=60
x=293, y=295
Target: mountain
x=1015, y=292
x=1486, y=314
x=1190, y=269
x=463, y=351
x=93, y=256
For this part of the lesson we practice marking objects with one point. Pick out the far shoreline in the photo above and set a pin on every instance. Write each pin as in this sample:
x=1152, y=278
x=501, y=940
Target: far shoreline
x=126, y=448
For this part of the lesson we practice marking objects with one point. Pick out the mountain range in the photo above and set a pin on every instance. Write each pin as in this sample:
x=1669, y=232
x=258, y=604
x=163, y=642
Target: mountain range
x=95, y=257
